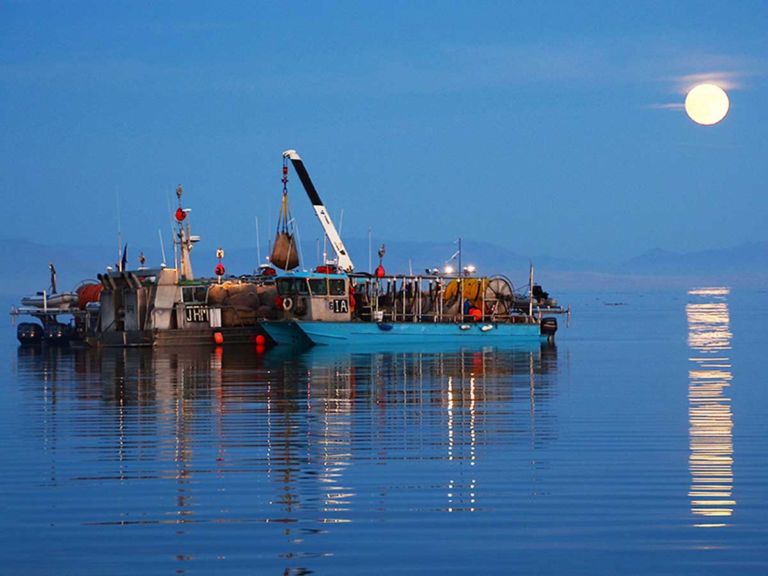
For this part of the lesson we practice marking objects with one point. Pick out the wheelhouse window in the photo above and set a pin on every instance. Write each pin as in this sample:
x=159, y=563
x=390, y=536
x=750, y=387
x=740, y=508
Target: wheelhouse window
x=318, y=286
x=292, y=286
x=194, y=294
x=336, y=287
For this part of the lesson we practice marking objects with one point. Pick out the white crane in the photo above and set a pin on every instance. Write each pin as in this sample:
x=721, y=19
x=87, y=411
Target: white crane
x=343, y=260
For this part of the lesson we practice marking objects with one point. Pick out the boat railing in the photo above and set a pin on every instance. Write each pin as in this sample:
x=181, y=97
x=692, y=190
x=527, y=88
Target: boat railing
x=424, y=299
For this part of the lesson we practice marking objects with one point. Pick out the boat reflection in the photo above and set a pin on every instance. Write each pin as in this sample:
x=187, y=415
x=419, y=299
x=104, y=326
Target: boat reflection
x=711, y=419
x=304, y=432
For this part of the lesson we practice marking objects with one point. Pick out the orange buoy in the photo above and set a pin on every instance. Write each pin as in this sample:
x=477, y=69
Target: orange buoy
x=218, y=337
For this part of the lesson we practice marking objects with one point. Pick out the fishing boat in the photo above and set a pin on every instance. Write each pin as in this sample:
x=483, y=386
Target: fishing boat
x=335, y=305
x=57, y=318
x=52, y=325
x=170, y=306
x=164, y=306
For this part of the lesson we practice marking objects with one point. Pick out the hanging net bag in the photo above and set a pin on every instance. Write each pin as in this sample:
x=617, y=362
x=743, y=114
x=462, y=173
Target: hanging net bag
x=284, y=253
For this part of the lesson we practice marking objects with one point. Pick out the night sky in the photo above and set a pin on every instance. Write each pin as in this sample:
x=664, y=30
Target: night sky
x=551, y=130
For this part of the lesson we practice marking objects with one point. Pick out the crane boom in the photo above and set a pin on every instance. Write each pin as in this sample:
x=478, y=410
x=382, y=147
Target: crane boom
x=344, y=261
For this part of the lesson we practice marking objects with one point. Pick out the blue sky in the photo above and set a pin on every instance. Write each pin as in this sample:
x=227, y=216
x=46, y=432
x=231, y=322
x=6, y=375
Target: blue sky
x=549, y=128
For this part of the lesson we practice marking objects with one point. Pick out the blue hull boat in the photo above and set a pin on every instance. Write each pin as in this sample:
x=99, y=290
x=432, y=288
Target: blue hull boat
x=334, y=305
x=297, y=332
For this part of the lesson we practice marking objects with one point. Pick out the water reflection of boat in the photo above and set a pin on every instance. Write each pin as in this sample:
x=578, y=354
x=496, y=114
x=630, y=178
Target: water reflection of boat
x=307, y=436
x=445, y=358
x=191, y=369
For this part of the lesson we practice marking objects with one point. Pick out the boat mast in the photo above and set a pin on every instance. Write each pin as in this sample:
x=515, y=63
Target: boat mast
x=530, y=290
x=184, y=238
x=344, y=261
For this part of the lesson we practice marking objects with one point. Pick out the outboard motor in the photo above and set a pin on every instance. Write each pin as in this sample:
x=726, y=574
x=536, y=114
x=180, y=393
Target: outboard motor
x=29, y=333
x=57, y=334
x=539, y=295
x=549, y=327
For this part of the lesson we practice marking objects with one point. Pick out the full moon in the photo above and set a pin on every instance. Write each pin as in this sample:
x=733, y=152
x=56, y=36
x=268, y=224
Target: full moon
x=707, y=104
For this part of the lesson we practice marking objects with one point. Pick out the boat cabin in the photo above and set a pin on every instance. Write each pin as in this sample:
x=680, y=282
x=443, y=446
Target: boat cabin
x=313, y=296
x=153, y=299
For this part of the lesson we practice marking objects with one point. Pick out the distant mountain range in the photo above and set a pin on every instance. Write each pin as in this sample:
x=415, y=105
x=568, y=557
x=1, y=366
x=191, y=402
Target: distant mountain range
x=742, y=259
x=24, y=264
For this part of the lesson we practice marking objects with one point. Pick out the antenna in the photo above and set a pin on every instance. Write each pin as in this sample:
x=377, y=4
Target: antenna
x=258, y=244
x=117, y=200
x=298, y=241
x=341, y=225
x=173, y=230
x=461, y=270
x=119, y=233
x=162, y=246
x=530, y=289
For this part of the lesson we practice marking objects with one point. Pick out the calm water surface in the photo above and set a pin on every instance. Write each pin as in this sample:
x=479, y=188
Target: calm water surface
x=636, y=446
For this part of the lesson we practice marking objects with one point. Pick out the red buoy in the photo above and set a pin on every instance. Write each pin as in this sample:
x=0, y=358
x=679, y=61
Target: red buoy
x=180, y=214
x=218, y=338
x=380, y=271
x=219, y=269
